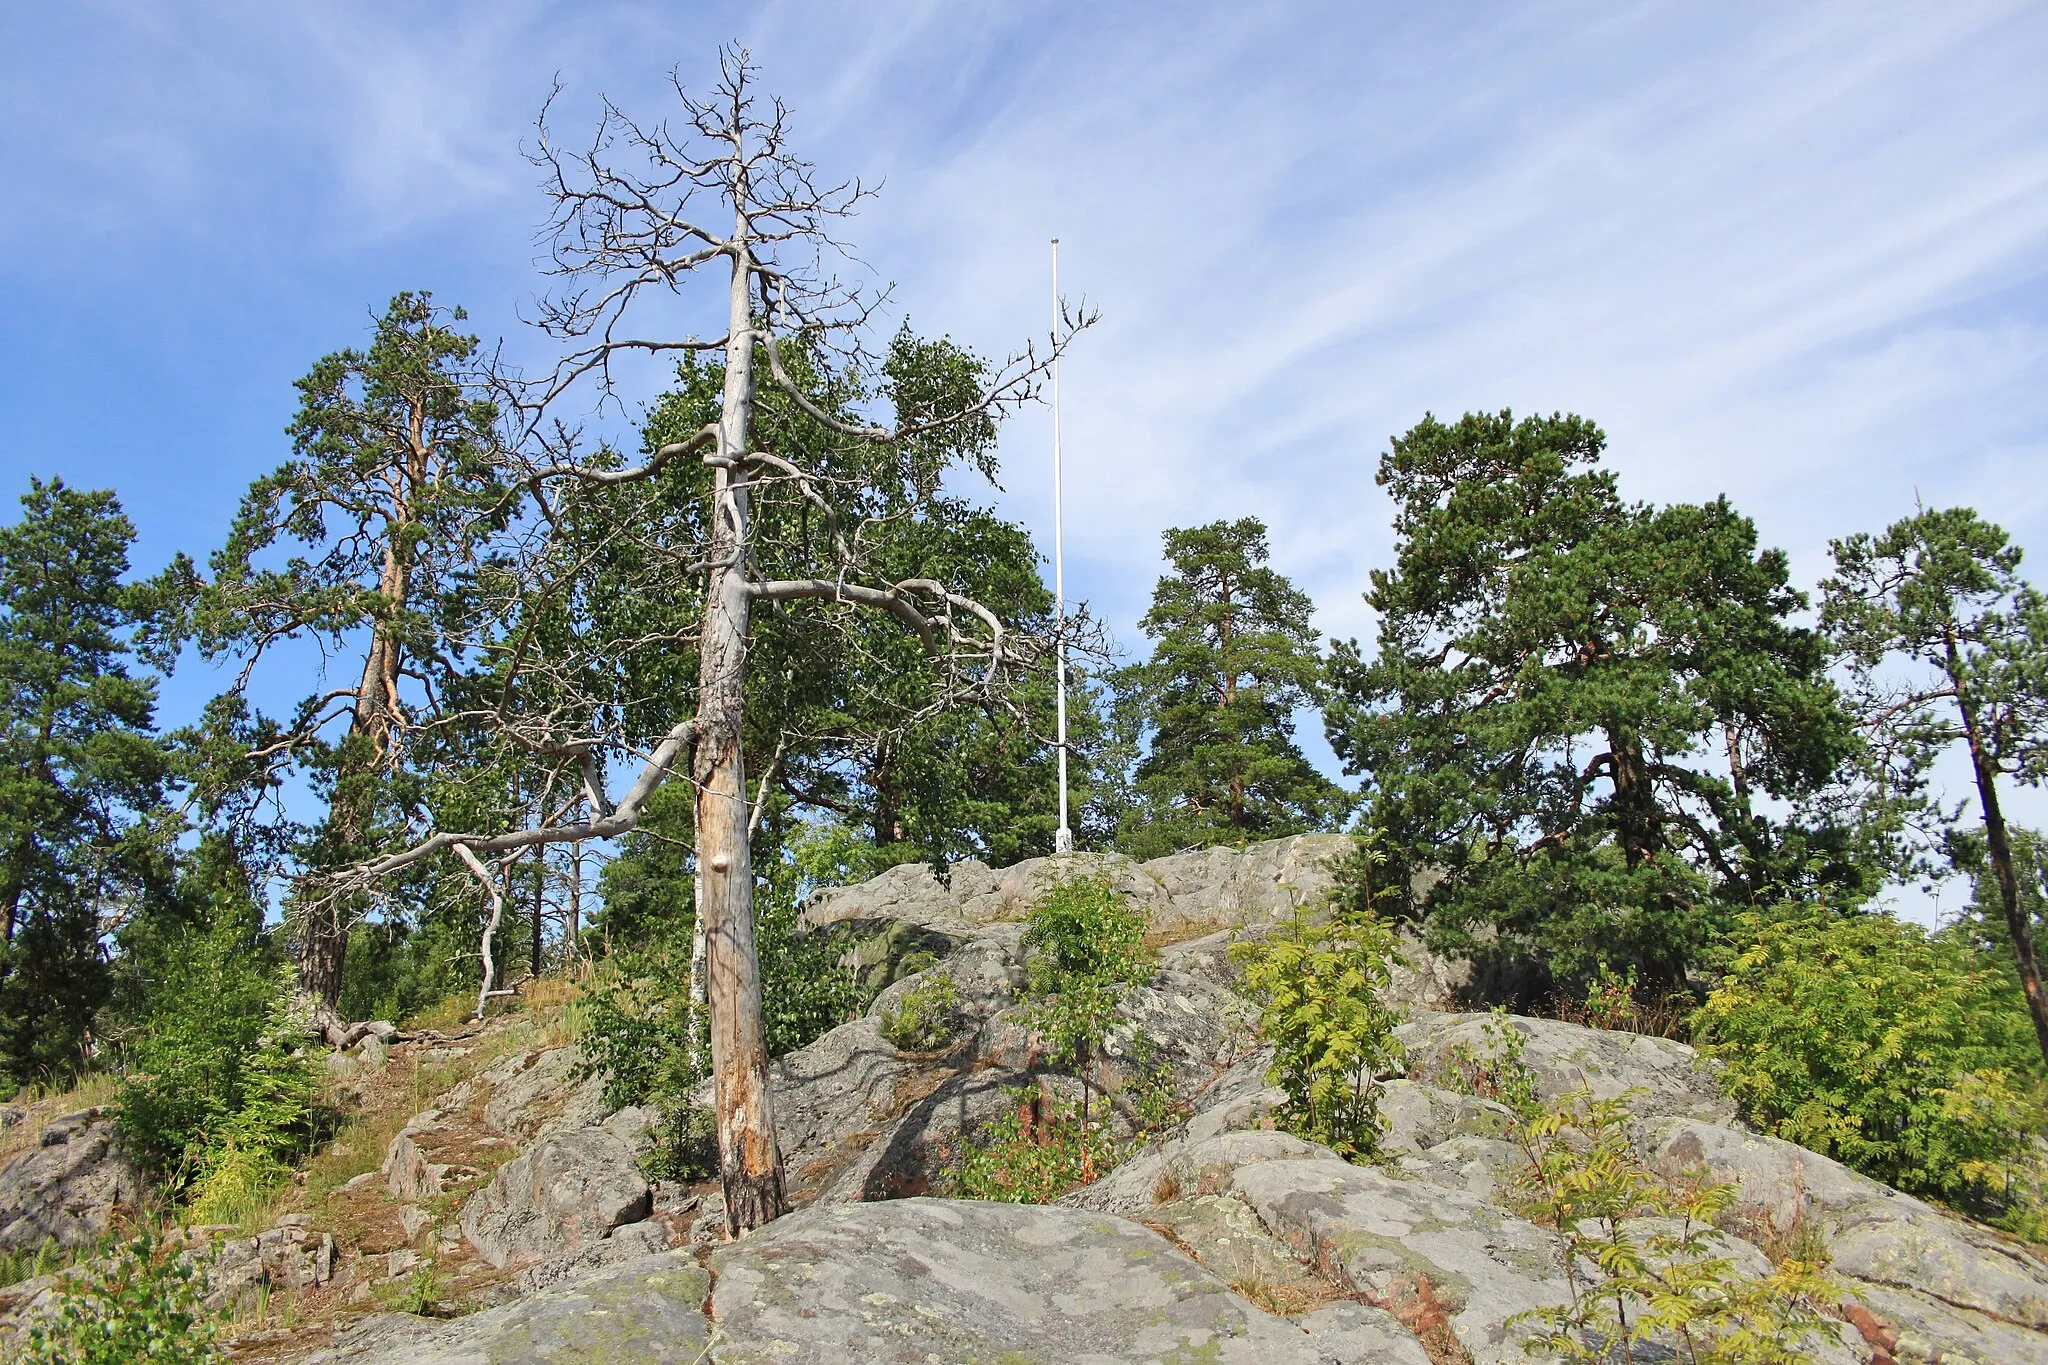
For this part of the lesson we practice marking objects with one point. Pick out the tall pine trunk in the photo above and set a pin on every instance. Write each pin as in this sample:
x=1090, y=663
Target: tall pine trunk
x=749, y=1159
x=1999, y=844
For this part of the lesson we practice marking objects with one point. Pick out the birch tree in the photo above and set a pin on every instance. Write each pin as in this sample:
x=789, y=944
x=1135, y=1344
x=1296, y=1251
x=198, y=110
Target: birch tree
x=644, y=215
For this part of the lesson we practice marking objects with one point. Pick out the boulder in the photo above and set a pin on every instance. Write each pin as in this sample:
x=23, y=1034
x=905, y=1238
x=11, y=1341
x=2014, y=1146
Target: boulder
x=925, y=1279
x=1426, y=1252
x=291, y=1255
x=536, y=1091
x=1874, y=1235
x=407, y=1172
x=1563, y=1057
x=1182, y=895
x=916, y=1280
x=648, y=1311
x=70, y=1188
x=1420, y=1116
x=566, y=1192
x=1179, y=1167
x=1261, y=882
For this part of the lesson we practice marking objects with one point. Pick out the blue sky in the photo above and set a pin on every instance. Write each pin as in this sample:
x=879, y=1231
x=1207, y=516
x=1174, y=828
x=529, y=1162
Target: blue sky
x=1793, y=253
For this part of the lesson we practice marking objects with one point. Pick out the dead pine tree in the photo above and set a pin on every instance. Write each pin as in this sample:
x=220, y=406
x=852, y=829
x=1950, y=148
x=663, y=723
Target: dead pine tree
x=624, y=236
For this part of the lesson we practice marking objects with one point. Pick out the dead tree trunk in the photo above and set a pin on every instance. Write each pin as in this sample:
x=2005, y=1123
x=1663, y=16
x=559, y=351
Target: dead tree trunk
x=750, y=1163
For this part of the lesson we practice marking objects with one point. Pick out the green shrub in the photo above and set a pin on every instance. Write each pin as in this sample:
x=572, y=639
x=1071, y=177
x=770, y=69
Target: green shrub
x=926, y=1017
x=1865, y=1039
x=1318, y=986
x=637, y=1018
x=142, y=1304
x=1636, y=1282
x=218, y=1098
x=1033, y=1154
x=636, y=1035
x=1084, y=949
x=1495, y=1069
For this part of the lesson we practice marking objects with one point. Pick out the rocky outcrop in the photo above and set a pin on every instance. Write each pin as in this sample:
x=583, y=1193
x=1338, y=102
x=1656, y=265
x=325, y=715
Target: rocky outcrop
x=1222, y=1239
x=571, y=1188
x=70, y=1187
x=1183, y=895
x=289, y=1256
x=918, y=1279
x=1670, y=1077
x=639, y=1312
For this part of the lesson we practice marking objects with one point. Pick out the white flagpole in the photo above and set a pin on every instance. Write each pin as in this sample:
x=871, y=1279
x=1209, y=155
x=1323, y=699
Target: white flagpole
x=1063, y=840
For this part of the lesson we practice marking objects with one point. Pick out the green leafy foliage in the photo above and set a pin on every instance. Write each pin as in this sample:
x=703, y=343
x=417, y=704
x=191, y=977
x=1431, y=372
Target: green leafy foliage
x=925, y=1017
x=141, y=1304
x=1575, y=708
x=1235, y=659
x=1034, y=1154
x=1865, y=1039
x=1494, y=1070
x=212, y=1096
x=1640, y=1257
x=1319, y=986
x=638, y=1017
x=1084, y=949
x=82, y=775
x=829, y=683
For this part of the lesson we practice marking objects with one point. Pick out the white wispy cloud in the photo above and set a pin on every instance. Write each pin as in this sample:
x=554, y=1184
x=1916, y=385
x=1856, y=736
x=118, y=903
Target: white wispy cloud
x=1797, y=254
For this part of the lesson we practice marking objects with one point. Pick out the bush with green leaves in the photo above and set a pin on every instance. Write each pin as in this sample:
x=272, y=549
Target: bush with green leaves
x=1494, y=1069
x=1640, y=1256
x=1034, y=1153
x=141, y=1304
x=1084, y=949
x=217, y=1097
x=926, y=1017
x=1319, y=985
x=1895, y=1052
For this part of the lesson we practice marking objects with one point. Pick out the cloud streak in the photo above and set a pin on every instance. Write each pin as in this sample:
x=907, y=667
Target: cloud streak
x=1799, y=256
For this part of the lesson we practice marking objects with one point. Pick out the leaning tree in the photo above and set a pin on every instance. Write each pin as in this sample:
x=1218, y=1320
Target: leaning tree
x=643, y=214
x=1947, y=646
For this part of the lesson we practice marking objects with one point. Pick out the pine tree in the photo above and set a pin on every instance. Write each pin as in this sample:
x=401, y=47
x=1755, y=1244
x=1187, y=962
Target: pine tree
x=1581, y=712
x=83, y=836
x=1236, y=658
x=1948, y=647
x=396, y=478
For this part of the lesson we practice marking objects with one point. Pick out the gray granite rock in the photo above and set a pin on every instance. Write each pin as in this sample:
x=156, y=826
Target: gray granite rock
x=534, y=1092
x=1413, y=1247
x=1564, y=1057
x=1181, y=1167
x=1419, y=1116
x=69, y=1187
x=567, y=1191
x=1349, y=1333
x=1182, y=895
x=648, y=1311
x=925, y=1279
x=1874, y=1234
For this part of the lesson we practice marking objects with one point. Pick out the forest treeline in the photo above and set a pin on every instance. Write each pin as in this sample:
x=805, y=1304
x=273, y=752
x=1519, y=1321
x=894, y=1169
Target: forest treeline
x=1593, y=740
x=1605, y=749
